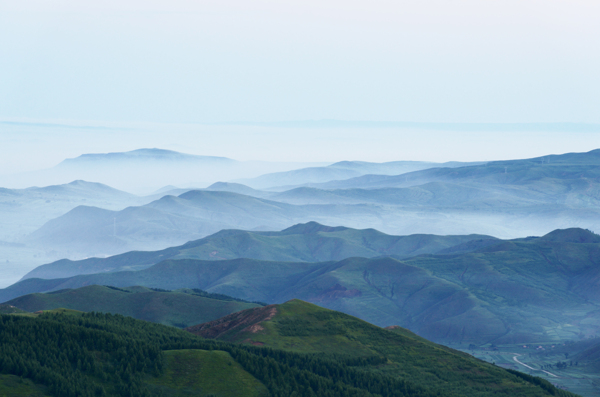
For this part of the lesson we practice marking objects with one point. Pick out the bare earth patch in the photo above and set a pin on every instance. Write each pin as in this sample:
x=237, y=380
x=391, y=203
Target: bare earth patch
x=244, y=321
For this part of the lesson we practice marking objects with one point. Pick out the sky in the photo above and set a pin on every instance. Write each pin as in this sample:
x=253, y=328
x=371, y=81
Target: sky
x=196, y=77
x=262, y=61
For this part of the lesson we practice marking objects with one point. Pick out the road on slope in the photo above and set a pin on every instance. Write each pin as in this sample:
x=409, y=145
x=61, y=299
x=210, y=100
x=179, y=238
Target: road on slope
x=527, y=366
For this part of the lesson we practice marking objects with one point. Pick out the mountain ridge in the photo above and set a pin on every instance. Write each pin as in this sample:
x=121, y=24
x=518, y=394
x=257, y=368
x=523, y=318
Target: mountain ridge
x=311, y=242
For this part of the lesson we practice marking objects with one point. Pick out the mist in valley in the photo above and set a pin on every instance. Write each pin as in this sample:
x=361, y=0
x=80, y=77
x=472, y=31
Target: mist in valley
x=166, y=198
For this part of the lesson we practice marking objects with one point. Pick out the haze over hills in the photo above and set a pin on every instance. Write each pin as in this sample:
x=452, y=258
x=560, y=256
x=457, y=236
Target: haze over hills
x=518, y=291
x=145, y=155
x=175, y=220
x=502, y=199
x=167, y=221
x=310, y=242
x=551, y=168
x=22, y=211
x=340, y=170
x=238, y=188
x=143, y=171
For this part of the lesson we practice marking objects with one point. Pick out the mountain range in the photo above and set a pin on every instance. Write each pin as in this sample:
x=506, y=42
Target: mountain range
x=278, y=181
x=479, y=291
x=504, y=199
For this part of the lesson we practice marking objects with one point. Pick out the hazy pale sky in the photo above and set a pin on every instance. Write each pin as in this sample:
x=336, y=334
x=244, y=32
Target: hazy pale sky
x=248, y=60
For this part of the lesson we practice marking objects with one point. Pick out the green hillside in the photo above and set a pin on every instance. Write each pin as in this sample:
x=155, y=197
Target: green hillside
x=302, y=327
x=179, y=308
x=212, y=372
x=67, y=353
x=10, y=309
x=310, y=242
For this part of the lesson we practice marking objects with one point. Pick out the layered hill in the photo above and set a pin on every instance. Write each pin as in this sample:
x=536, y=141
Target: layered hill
x=175, y=308
x=310, y=242
x=147, y=169
x=23, y=211
x=505, y=199
x=338, y=171
x=167, y=221
x=545, y=171
x=519, y=291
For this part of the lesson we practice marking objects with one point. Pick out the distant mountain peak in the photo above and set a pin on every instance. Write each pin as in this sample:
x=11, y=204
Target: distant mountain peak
x=311, y=227
x=225, y=185
x=572, y=235
x=143, y=154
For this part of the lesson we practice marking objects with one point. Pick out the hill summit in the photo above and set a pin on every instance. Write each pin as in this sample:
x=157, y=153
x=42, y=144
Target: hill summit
x=572, y=235
x=312, y=227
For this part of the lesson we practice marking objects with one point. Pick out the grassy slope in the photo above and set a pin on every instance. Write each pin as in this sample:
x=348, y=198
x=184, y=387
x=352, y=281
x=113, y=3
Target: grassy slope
x=202, y=373
x=303, y=327
x=177, y=308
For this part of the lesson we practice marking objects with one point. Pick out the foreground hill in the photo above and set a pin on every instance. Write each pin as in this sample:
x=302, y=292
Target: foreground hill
x=519, y=291
x=310, y=242
x=176, y=308
x=79, y=354
x=301, y=327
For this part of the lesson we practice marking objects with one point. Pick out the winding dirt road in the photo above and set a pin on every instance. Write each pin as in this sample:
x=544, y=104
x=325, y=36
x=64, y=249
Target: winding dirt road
x=527, y=366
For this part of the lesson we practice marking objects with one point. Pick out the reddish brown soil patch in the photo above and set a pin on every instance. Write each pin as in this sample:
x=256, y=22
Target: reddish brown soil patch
x=336, y=292
x=245, y=321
